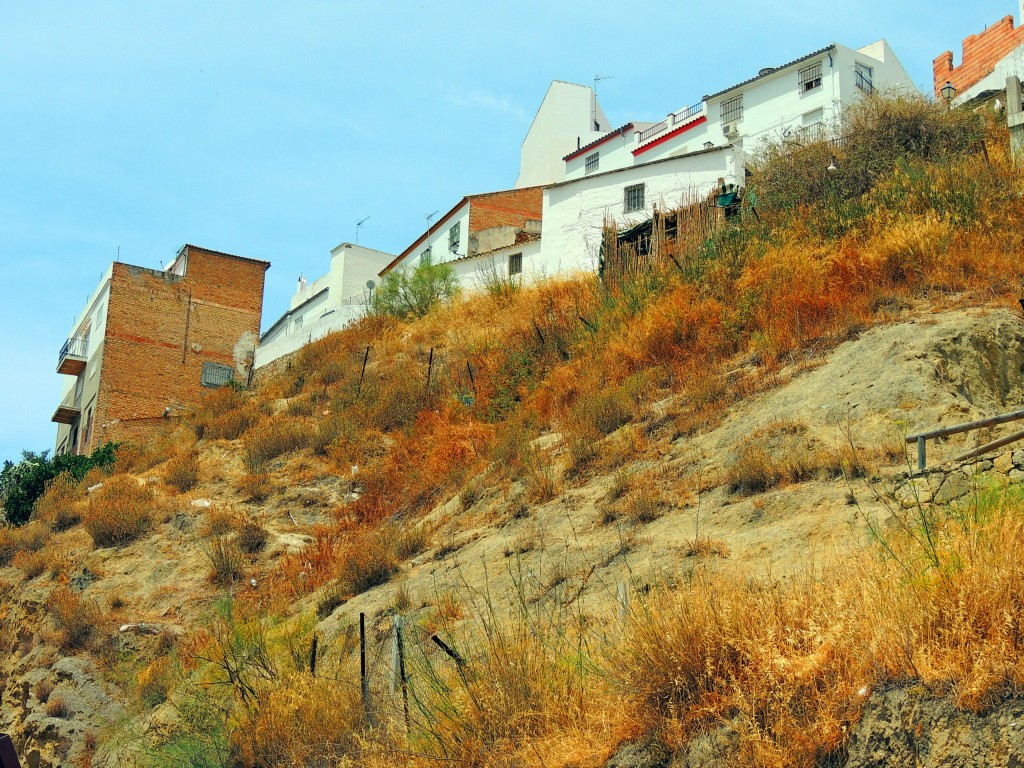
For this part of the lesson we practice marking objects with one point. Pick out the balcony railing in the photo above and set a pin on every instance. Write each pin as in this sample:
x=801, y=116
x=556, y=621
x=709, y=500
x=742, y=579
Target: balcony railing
x=685, y=114
x=656, y=128
x=72, y=356
x=68, y=410
x=863, y=82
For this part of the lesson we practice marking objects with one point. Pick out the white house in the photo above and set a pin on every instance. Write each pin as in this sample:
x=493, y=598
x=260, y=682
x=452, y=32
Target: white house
x=569, y=114
x=495, y=234
x=804, y=94
x=327, y=304
x=575, y=211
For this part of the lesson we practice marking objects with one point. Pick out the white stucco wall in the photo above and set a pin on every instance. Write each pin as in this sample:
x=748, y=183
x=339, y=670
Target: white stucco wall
x=563, y=122
x=575, y=211
x=325, y=305
x=437, y=241
x=93, y=317
x=474, y=274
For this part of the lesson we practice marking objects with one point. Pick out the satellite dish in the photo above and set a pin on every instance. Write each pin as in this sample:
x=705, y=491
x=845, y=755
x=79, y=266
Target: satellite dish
x=370, y=284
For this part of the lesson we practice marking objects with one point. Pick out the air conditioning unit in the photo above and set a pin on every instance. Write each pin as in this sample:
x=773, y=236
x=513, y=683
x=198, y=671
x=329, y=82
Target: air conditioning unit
x=730, y=130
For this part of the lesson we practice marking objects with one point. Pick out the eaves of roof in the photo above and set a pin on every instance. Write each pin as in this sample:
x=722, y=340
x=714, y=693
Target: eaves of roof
x=670, y=135
x=674, y=158
x=190, y=246
x=773, y=71
x=528, y=237
x=601, y=140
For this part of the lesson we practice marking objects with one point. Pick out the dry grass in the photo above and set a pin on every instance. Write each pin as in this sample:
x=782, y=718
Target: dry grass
x=118, y=512
x=59, y=506
x=182, y=471
x=77, y=618
x=28, y=538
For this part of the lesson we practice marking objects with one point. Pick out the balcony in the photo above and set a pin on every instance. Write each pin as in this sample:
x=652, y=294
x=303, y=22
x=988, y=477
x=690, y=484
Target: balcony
x=68, y=411
x=72, y=356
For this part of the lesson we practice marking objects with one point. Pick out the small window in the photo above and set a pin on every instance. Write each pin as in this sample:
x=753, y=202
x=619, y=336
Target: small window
x=634, y=198
x=809, y=78
x=732, y=110
x=216, y=375
x=454, y=235
x=425, y=257
x=515, y=264
x=862, y=77
x=297, y=322
x=592, y=162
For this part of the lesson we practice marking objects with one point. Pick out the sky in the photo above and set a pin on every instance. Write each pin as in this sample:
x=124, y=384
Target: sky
x=267, y=130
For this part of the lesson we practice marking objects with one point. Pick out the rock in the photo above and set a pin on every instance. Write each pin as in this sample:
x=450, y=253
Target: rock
x=907, y=726
x=644, y=753
x=914, y=492
x=83, y=579
x=92, y=488
x=1015, y=475
x=956, y=485
x=201, y=503
x=1003, y=462
x=1018, y=457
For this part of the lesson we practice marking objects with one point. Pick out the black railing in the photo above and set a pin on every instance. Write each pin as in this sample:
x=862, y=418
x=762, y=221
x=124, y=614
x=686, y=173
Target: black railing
x=687, y=113
x=74, y=347
x=863, y=82
x=656, y=128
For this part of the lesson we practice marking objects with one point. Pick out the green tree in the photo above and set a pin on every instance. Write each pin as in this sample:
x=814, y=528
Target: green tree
x=408, y=293
x=22, y=483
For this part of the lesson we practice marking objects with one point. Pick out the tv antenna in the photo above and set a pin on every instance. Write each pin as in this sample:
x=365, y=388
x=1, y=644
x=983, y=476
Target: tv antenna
x=593, y=111
x=430, y=216
x=358, y=225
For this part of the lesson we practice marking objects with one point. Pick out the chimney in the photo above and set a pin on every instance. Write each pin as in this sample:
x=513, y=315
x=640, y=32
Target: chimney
x=302, y=284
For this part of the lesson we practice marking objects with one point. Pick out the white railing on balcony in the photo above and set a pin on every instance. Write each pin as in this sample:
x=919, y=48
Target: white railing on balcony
x=685, y=114
x=675, y=118
x=653, y=130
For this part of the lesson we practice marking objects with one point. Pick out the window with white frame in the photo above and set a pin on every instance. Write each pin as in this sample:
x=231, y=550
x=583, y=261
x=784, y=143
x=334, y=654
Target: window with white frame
x=454, y=235
x=633, y=198
x=809, y=78
x=732, y=109
x=592, y=162
x=515, y=264
x=425, y=256
x=297, y=322
x=862, y=75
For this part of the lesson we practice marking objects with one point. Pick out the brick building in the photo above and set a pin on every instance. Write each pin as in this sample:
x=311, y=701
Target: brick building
x=981, y=55
x=150, y=342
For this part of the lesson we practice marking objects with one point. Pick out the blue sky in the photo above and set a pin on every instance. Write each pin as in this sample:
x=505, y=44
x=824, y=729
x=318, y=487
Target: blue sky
x=269, y=129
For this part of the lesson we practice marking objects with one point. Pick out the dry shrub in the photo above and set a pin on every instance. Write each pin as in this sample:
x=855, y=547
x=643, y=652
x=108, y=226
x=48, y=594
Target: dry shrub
x=58, y=707
x=28, y=538
x=252, y=538
x=225, y=560
x=304, y=721
x=274, y=437
x=256, y=486
x=781, y=454
x=225, y=414
x=153, y=684
x=705, y=547
x=58, y=506
x=644, y=505
x=77, y=618
x=32, y=564
x=42, y=689
x=182, y=471
x=118, y=512
x=220, y=521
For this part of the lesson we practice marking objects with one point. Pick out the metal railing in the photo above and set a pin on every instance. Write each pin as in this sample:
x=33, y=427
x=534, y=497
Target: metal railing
x=863, y=82
x=968, y=426
x=656, y=128
x=686, y=114
x=76, y=346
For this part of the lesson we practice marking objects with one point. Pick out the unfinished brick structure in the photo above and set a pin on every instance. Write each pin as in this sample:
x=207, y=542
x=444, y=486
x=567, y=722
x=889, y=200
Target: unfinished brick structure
x=981, y=52
x=150, y=342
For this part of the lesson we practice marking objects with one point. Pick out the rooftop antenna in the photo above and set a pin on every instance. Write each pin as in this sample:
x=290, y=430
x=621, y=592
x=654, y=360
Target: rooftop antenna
x=593, y=109
x=358, y=225
x=430, y=216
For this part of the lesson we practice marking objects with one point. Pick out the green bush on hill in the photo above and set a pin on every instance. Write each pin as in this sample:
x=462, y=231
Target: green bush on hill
x=22, y=483
x=405, y=293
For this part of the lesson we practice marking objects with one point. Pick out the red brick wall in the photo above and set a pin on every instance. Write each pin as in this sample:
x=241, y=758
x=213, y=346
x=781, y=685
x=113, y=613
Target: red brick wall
x=981, y=52
x=161, y=329
x=513, y=208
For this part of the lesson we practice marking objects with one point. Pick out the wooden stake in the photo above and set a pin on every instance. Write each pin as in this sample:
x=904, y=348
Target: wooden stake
x=312, y=656
x=430, y=367
x=364, y=681
x=401, y=671
x=363, y=372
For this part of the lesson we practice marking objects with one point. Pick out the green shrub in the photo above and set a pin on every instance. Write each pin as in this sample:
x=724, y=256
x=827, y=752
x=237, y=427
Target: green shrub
x=413, y=292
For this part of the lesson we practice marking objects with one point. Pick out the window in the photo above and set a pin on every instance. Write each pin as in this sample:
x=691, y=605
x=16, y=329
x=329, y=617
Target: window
x=297, y=322
x=515, y=264
x=732, y=110
x=592, y=162
x=862, y=77
x=216, y=375
x=809, y=78
x=634, y=198
x=453, y=237
x=425, y=257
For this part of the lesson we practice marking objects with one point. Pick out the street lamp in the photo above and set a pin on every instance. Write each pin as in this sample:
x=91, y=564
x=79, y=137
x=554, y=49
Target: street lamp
x=948, y=92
